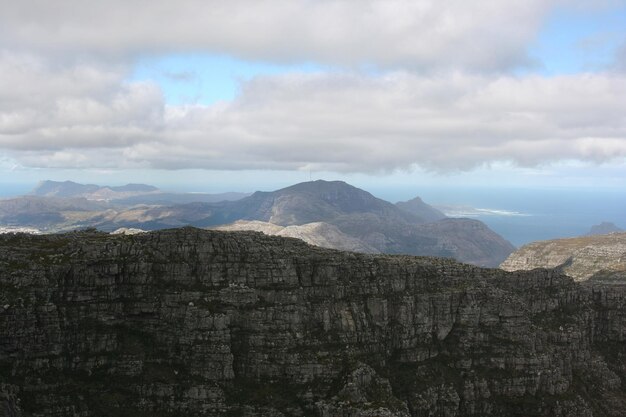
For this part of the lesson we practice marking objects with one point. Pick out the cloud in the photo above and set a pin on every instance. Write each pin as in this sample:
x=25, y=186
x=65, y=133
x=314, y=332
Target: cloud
x=45, y=106
x=83, y=116
x=423, y=35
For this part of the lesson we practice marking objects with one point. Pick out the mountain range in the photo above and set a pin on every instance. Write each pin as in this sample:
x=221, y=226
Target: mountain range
x=357, y=218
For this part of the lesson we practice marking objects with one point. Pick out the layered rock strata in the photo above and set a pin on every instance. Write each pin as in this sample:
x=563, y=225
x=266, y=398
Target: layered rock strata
x=598, y=257
x=208, y=323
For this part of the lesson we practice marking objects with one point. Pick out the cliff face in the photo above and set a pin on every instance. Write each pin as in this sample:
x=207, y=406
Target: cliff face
x=600, y=257
x=191, y=322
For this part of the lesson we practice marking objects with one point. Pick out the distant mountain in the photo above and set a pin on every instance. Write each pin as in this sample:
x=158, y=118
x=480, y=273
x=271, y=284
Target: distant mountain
x=603, y=229
x=319, y=234
x=419, y=208
x=598, y=257
x=45, y=212
x=90, y=191
x=127, y=195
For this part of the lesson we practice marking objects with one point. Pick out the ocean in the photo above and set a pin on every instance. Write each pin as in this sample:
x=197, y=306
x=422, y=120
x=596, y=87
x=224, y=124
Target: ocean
x=526, y=215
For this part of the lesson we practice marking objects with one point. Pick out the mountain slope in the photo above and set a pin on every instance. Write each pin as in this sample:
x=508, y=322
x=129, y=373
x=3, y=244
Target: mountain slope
x=206, y=323
x=583, y=258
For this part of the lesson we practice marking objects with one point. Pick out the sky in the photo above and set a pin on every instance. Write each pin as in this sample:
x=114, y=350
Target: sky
x=245, y=95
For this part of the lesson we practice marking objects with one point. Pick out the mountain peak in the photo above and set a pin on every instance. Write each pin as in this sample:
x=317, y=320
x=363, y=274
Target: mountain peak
x=417, y=207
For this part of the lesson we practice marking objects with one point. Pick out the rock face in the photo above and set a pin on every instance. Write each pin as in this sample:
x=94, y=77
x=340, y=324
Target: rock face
x=601, y=257
x=318, y=233
x=195, y=323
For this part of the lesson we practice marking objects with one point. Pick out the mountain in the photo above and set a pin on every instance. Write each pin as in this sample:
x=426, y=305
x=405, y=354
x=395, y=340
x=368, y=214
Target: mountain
x=319, y=201
x=598, y=257
x=318, y=234
x=127, y=195
x=419, y=208
x=47, y=212
x=356, y=213
x=207, y=323
x=90, y=191
x=603, y=229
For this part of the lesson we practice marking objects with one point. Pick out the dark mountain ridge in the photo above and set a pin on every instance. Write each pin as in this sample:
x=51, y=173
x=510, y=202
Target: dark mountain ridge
x=195, y=323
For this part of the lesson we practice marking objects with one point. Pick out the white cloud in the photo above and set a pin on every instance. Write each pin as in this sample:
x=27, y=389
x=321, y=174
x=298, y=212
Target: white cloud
x=48, y=106
x=336, y=122
x=65, y=101
x=417, y=34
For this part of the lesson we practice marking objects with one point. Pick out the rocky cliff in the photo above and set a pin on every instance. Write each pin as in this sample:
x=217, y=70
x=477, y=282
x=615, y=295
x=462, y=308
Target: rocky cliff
x=598, y=257
x=208, y=323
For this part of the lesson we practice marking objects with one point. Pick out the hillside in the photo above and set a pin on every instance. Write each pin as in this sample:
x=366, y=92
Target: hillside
x=583, y=258
x=195, y=323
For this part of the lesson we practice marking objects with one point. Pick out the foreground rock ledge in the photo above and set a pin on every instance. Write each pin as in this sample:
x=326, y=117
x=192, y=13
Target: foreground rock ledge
x=198, y=323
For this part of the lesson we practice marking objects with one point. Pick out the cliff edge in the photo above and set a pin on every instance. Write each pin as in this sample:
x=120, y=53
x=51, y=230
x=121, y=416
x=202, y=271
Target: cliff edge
x=193, y=322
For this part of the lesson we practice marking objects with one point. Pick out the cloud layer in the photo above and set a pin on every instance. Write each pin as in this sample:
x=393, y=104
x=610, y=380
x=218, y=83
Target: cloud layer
x=423, y=34
x=85, y=117
x=444, y=98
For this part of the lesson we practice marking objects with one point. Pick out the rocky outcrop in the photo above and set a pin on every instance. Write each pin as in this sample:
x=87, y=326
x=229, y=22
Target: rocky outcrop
x=318, y=233
x=192, y=322
x=601, y=257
